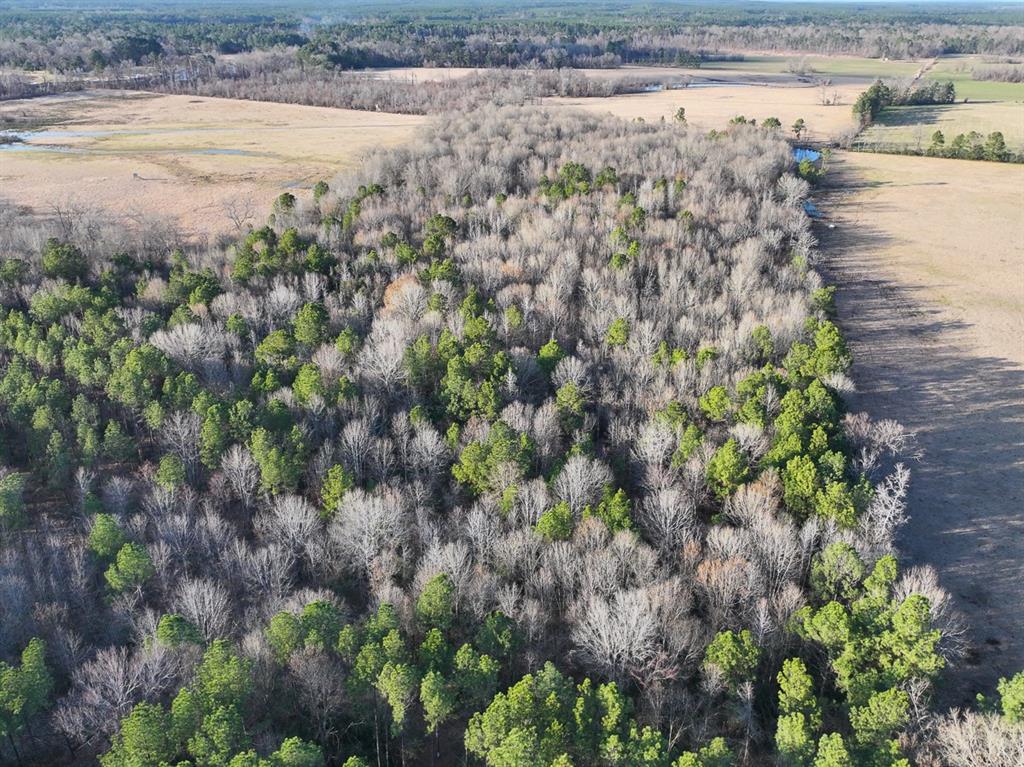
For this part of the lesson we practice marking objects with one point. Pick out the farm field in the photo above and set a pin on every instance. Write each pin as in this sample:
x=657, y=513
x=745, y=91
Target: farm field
x=422, y=74
x=713, y=107
x=707, y=72
x=181, y=157
x=929, y=254
x=755, y=68
x=912, y=127
x=958, y=70
x=853, y=67
x=982, y=106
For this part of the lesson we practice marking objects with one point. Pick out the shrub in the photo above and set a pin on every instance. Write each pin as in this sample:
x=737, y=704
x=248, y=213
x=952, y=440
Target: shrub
x=131, y=569
x=106, y=537
x=618, y=333
x=63, y=261
x=727, y=469
x=734, y=655
x=12, y=501
x=556, y=523
x=171, y=472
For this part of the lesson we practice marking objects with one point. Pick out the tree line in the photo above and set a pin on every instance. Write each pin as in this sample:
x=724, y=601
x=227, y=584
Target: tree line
x=489, y=35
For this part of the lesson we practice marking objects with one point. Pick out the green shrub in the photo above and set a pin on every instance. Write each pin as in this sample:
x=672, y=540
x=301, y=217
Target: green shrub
x=64, y=261
x=174, y=630
x=556, y=523
x=1011, y=692
x=734, y=655
x=106, y=537
x=618, y=333
x=171, y=472
x=131, y=570
x=727, y=469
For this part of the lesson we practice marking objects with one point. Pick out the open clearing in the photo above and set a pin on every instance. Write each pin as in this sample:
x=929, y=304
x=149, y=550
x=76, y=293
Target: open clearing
x=912, y=127
x=755, y=68
x=420, y=74
x=182, y=157
x=929, y=256
x=713, y=107
x=958, y=70
x=852, y=67
x=707, y=72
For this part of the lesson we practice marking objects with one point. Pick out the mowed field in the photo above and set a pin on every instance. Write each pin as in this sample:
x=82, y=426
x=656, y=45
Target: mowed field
x=713, y=107
x=768, y=68
x=981, y=105
x=182, y=157
x=958, y=70
x=752, y=73
x=912, y=127
x=929, y=257
x=852, y=67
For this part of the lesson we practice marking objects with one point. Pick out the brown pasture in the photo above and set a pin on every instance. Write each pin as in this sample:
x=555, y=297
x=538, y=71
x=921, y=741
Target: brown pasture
x=183, y=158
x=712, y=107
x=929, y=258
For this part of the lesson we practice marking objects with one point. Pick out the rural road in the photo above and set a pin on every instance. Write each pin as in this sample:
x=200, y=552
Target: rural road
x=929, y=259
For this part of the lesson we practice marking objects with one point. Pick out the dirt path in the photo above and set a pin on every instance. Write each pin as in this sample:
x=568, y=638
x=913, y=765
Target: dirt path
x=923, y=71
x=929, y=257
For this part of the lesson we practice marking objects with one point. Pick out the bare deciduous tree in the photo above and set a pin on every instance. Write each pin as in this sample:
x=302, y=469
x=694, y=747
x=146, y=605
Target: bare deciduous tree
x=206, y=604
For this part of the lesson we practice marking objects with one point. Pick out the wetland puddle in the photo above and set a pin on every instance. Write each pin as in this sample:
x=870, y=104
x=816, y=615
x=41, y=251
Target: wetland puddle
x=48, y=141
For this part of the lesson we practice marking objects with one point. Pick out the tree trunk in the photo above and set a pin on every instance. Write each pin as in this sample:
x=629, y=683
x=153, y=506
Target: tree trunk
x=14, y=747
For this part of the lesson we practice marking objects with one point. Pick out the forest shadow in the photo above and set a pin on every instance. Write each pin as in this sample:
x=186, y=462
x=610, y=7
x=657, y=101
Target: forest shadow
x=913, y=364
x=913, y=115
x=857, y=184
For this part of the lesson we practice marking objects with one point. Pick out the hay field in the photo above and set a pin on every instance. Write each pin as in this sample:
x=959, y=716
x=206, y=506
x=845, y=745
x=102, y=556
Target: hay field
x=709, y=108
x=767, y=68
x=852, y=67
x=419, y=74
x=958, y=70
x=955, y=229
x=912, y=127
x=929, y=257
x=441, y=74
x=181, y=157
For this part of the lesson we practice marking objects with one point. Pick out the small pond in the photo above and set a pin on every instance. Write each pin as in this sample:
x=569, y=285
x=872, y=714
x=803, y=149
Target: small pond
x=717, y=84
x=23, y=141
x=811, y=209
x=687, y=84
x=802, y=153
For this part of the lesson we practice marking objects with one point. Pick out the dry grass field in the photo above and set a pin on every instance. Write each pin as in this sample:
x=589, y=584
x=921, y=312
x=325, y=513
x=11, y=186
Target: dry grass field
x=182, y=157
x=709, y=108
x=929, y=256
x=421, y=74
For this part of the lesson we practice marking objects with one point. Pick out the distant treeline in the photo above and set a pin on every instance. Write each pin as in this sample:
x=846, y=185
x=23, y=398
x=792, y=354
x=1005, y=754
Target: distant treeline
x=549, y=36
x=1005, y=73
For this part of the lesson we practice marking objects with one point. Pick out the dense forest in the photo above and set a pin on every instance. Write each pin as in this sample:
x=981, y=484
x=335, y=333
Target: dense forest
x=94, y=38
x=525, y=445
